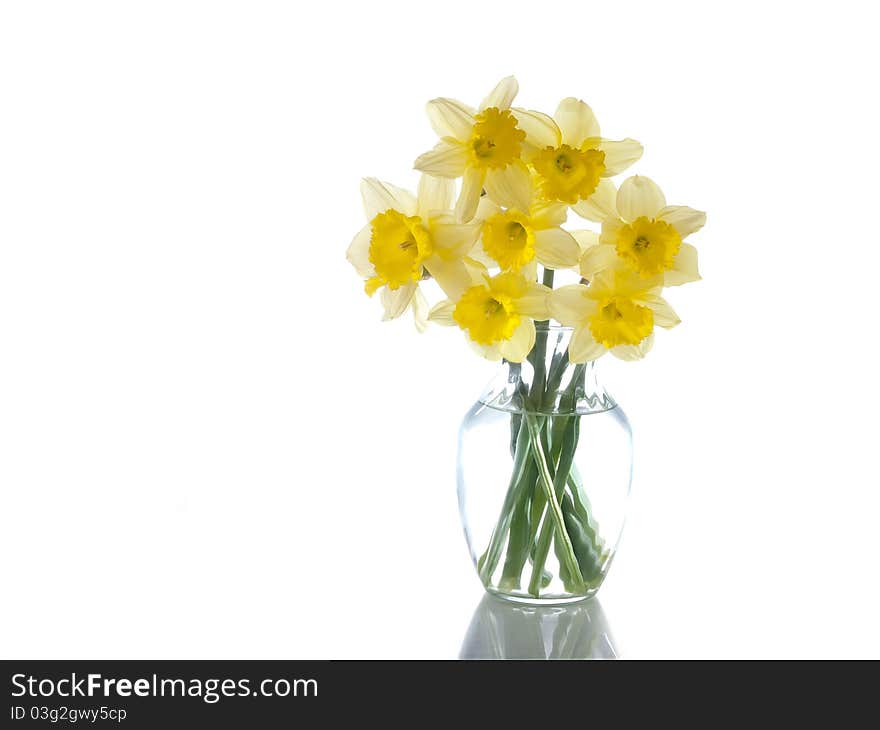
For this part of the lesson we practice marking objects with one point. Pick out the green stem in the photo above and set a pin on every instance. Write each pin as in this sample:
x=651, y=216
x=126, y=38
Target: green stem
x=488, y=562
x=552, y=486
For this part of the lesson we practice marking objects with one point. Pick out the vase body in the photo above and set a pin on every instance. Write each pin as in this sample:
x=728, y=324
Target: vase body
x=544, y=471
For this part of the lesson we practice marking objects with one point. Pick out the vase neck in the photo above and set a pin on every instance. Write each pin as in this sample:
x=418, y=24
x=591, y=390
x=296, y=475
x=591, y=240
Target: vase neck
x=547, y=382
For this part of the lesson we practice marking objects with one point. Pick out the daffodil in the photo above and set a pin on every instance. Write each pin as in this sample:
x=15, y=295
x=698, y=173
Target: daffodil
x=617, y=312
x=407, y=238
x=514, y=238
x=485, y=147
x=497, y=315
x=577, y=164
x=645, y=235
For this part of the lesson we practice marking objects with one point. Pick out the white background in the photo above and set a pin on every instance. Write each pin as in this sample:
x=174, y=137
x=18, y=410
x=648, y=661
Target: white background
x=211, y=447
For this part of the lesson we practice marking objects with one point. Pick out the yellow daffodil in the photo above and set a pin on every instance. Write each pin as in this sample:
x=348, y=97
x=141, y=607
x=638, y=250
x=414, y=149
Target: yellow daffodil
x=408, y=237
x=576, y=165
x=514, y=238
x=644, y=234
x=617, y=312
x=485, y=147
x=498, y=315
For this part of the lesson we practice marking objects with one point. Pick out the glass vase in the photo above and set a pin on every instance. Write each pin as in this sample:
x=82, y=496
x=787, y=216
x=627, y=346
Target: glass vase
x=544, y=470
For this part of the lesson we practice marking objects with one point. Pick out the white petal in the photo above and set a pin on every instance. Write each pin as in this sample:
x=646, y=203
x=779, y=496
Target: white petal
x=453, y=277
x=420, y=310
x=583, y=346
x=486, y=208
x=396, y=301
x=521, y=342
x=596, y=259
x=490, y=352
x=502, y=95
x=453, y=240
x=548, y=214
x=479, y=255
x=570, y=305
x=685, y=269
x=586, y=240
x=610, y=229
x=510, y=186
x=358, y=253
x=639, y=196
x=434, y=194
x=683, y=219
x=469, y=197
x=556, y=248
x=541, y=131
x=620, y=155
x=634, y=352
x=379, y=196
x=664, y=314
x=601, y=204
x=441, y=313
x=535, y=303
x=447, y=159
x=576, y=121
x=451, y=118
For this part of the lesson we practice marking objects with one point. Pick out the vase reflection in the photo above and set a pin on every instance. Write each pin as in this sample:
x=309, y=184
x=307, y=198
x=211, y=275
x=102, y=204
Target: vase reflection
x=502, y=629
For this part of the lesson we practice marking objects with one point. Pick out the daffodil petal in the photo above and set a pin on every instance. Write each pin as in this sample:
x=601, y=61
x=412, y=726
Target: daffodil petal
x=556, y=248
x=620, y=155
x=576, y=121
x=502, y=96
x=447, y=159
x=541, y=131
x=597, y=258
x=583, y=346
x=610, y=228
x=469, y=197
x=434, y=194
x=490, y=352
x=639, y=196
x=396, y=301
x=664, y=314
x=549, y=214
x=634, y=352
x=586, y=240
x=570, y=305
x=420, y=310
x=486, y=208
x=521, y=342
x=380, y=196
x=534, y=303
x=685, y=220
x=441, y=313
x=453, y=277
x=358, y=253
x=510, y=186
x=450, y=118
x=601, y=205
x=685, y=269
x=453, y=240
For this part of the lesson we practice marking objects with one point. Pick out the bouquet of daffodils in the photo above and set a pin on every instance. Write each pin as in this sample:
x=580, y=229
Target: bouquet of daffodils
x=494, y=245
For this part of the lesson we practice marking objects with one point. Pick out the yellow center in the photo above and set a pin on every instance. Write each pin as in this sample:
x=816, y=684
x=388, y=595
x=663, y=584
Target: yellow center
x=648, y=246
x=398, y=247
x=487, y=314
x=495, y=140
x=569, y=174
x=619, y=321
x=509, y=239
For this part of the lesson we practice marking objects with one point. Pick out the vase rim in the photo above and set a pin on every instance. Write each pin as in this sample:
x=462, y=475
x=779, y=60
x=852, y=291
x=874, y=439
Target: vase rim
x=547, y=327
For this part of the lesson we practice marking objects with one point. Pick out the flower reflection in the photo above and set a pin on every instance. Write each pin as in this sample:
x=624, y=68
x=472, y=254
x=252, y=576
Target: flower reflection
x=504, y=630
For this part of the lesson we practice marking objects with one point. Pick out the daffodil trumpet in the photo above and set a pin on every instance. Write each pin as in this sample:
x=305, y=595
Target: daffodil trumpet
x=486, y=232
